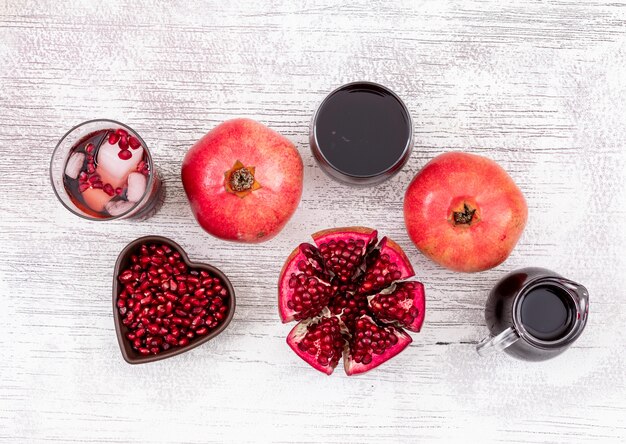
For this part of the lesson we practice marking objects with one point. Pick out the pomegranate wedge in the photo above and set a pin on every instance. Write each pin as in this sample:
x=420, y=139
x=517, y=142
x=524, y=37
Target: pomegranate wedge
x=371, y=345
x=318, y=341
x=343, y=249
x=303, y=290
x=404, y=306
x=385, y=265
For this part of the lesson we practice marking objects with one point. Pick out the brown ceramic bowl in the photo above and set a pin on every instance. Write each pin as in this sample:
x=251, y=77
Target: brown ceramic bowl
x=130, y=355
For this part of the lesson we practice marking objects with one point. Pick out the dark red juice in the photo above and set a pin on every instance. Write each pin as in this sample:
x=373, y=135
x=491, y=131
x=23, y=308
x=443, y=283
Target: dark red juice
x=363, y=130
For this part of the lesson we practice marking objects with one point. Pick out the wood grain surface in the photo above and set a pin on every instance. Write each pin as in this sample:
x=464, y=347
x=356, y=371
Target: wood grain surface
x=538, y=86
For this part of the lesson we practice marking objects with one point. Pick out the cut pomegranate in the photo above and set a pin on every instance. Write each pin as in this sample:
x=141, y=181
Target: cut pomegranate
x=336, y=283
x=319, y=341
x=372, y=345
x=403, y=306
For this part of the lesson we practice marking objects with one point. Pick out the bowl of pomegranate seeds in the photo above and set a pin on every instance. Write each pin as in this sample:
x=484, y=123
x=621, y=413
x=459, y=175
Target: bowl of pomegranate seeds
x=164, y=304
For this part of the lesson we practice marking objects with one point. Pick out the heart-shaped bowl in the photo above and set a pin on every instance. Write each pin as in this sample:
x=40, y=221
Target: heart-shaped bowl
x=124, y=261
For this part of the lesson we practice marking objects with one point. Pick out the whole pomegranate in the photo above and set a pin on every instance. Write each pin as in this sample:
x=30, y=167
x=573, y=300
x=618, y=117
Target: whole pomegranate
x=464, y=212
x=352, y=298
x=243, y=181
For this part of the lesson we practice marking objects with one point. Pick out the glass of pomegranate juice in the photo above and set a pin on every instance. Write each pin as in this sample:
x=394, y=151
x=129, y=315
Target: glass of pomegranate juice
x=361, y=134
x=103, y=170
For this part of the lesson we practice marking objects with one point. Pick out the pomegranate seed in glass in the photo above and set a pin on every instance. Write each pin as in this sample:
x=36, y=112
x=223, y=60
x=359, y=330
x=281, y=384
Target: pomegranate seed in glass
x=103, y=170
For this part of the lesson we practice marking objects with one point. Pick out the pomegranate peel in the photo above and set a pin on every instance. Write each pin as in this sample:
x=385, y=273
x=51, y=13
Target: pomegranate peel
x=331, y=289
x=367, y=234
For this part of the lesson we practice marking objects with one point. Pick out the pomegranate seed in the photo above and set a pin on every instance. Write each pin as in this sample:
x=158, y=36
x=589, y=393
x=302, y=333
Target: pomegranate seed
x=108, y=189
x=124, y=154
x=119, y=191
x=171, y=339
x=90, y=148
x=133, y=142
x=83, y=186
x=113, y=138
x=123, y=143
x=91, y=168
x=202, y=331
x=126, y=276
x=121, y=132
x=196, y=322
x=97, y=185
x=146, y=300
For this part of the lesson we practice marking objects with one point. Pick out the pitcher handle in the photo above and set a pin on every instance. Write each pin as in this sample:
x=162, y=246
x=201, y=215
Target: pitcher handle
x=499, y=342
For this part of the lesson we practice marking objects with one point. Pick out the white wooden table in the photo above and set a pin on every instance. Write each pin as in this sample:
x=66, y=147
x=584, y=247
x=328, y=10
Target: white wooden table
x=538, y=86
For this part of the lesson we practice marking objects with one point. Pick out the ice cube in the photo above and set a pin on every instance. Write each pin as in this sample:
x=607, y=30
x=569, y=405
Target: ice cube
x=136, y=186
x=96, y=199
x=111, y=168
x=117, y=207
x=74, y=164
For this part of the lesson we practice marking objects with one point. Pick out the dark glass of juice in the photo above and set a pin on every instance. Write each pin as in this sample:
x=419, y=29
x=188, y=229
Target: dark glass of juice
x=361, y=134
x=103, y=170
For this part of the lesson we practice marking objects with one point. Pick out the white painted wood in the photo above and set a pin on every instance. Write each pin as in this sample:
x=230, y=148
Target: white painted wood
x=538, y=86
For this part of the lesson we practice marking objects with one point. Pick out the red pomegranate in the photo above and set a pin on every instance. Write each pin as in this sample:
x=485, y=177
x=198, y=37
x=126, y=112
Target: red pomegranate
x=243, y=181
x=352, y=298
x=464, y=212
